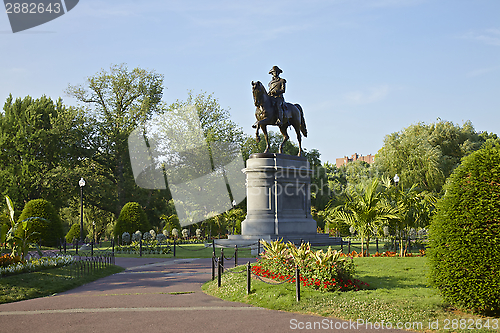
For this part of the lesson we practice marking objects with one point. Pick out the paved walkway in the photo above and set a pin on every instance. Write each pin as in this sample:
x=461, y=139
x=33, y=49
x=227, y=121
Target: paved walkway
x=141, y=299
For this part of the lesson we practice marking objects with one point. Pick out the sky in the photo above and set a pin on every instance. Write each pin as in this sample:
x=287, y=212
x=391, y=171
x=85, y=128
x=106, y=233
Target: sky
x=360, y=69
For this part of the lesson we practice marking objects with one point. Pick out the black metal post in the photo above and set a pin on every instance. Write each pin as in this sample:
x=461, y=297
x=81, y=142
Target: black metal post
x=258, y=247
x=297, y=284
x=341, y=245
x=213, y=247
x=376, y=241
x=349, y=246
x=76, y=247
x=64, y=245
x=235, y=255
x=92, y=248
x=140, y=247
x=213, y=268
x=174, y=247
x=112, y=245
x=248, y=278
x=219, y=272
x=222, y=258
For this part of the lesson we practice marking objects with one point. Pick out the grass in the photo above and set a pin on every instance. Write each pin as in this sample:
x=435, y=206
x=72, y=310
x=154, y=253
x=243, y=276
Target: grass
x=398, y=294
x=47, y=282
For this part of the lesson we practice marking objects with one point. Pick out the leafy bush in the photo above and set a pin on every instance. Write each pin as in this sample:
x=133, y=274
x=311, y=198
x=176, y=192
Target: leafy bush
x=50, y=230
x=326, y=271
x=126, y=237
x=132, y=218
x=136, y=236
x=464, y=235
x=74, y=233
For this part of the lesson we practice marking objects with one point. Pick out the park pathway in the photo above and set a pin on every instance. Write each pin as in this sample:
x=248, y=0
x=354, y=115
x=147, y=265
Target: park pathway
x=151, y=295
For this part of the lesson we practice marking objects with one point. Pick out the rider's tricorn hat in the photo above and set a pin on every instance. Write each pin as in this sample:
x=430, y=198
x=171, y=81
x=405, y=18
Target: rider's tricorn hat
x=275, y=69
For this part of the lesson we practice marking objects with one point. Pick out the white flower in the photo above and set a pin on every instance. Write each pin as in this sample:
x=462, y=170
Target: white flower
x=175, y=232
x=185, y=233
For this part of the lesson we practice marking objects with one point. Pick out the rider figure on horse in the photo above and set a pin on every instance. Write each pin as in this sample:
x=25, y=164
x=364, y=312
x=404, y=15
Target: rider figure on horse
x=276, y=90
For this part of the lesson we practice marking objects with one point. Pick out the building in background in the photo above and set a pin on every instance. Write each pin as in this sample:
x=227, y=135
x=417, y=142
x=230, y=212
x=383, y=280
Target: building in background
x=344, y=160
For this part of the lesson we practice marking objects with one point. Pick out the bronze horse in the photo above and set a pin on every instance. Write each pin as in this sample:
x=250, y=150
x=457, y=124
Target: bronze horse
x=266, y=114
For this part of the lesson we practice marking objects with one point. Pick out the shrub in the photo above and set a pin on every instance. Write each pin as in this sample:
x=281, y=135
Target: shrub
x=136, y=236
x=132, y=218
x=464, y=251
x=147, y=236
x=74, y=233
x=326, y=271
x=126, y=237
x=50, y=230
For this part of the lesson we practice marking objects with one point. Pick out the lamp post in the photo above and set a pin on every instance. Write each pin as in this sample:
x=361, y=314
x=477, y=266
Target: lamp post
x=93, y=232
x=396, y=180
x=234, y=220
x=82, y=184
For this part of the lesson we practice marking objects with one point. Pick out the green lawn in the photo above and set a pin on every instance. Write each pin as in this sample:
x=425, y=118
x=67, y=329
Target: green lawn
x=46, y=282
x=398, y=294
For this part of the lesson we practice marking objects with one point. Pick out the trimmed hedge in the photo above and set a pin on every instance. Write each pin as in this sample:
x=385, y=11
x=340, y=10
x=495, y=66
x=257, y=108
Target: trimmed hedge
x=74, y=233
x=51, y=231
x=464, y=252
x=132, y=218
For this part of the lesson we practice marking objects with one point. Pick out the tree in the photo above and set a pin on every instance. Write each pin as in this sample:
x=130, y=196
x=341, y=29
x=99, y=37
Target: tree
x=131, y=219
x=74, y=233
x=365, y=209
x=119, y=101
x=413, y=208
x=426, y=154
x=47, y=226
x=42, y=144
x=464, y=235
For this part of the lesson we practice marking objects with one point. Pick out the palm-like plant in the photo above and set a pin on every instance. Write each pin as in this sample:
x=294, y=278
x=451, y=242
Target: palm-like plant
x=414, y=209
x=365, y=209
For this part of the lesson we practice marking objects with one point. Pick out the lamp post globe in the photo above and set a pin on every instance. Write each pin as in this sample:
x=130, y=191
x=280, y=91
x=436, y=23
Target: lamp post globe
x=396, y=179
x=82, y=184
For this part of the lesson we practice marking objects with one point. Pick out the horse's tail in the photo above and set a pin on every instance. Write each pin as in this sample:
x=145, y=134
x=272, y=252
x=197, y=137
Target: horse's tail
x=303, y=127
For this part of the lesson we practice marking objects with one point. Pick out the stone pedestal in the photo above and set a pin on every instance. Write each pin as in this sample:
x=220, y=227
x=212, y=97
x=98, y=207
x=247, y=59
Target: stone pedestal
x=278, y=202
x=278, y=197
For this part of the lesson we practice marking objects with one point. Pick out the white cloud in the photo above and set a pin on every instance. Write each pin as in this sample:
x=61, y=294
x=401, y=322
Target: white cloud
x=482, y=71
x=374, y=94
x=393, y=3
x=488, y=36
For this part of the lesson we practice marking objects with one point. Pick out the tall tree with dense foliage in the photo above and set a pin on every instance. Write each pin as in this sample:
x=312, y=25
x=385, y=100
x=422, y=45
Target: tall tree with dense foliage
x=120, y=100
x=42, y=144
x=426, y=154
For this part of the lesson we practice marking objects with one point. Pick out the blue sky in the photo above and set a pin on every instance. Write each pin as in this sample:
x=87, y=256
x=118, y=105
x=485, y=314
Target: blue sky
x=361, y=69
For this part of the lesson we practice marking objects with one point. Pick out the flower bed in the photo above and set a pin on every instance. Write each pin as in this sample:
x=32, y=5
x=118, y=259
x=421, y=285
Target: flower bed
x=326, y=271
x=37, y=264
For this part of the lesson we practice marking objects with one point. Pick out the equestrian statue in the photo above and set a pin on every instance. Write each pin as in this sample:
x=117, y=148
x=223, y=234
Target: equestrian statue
x=273, y=110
